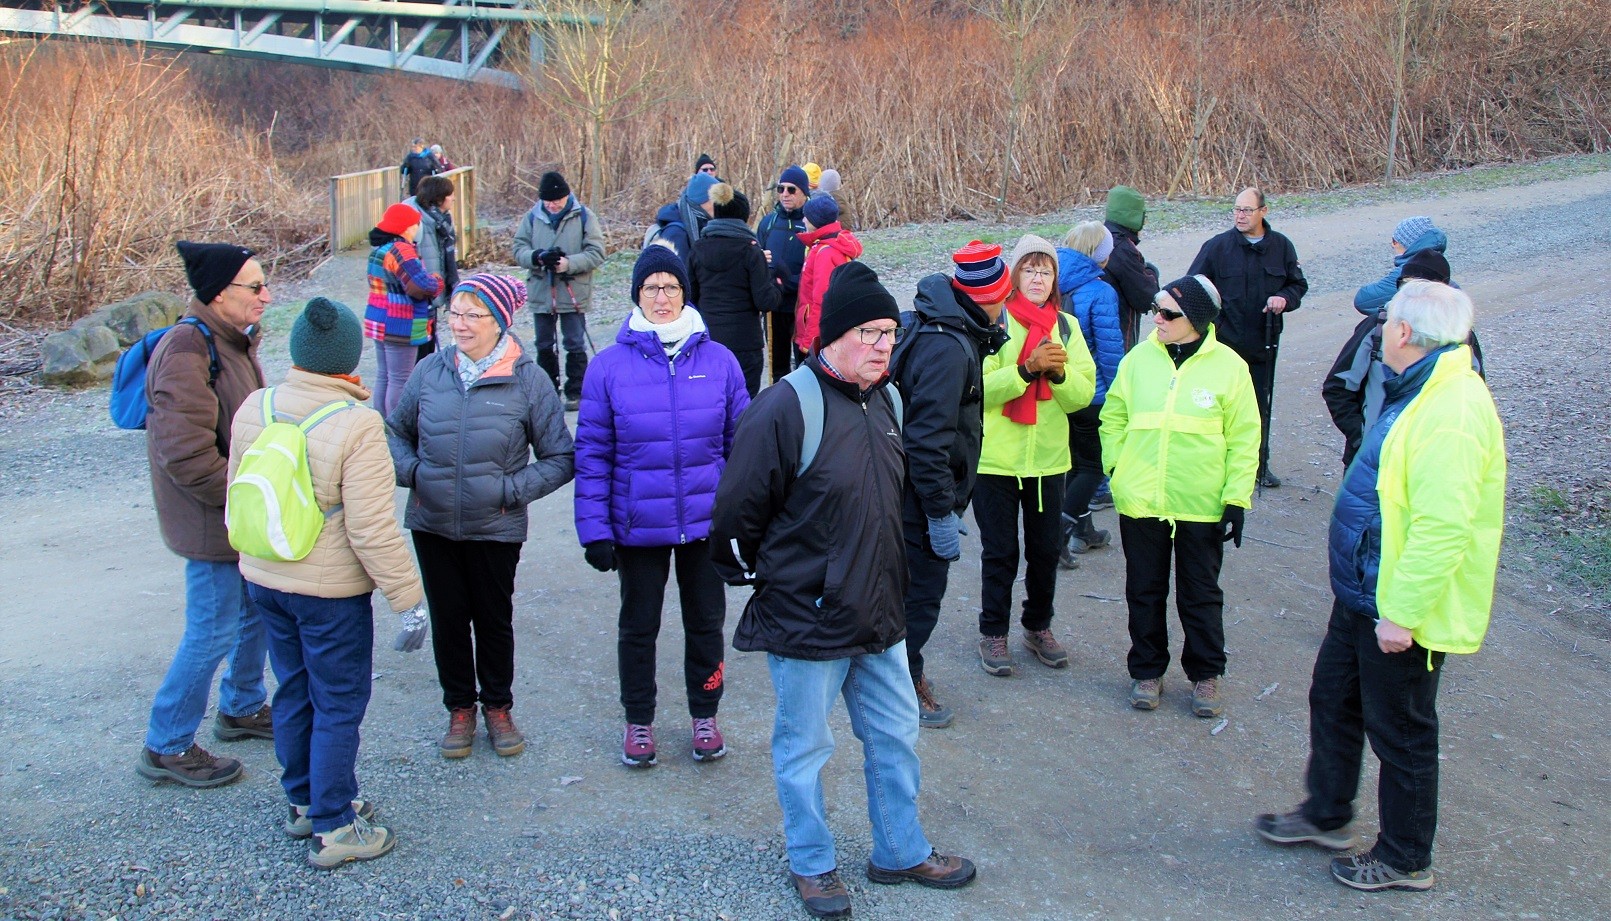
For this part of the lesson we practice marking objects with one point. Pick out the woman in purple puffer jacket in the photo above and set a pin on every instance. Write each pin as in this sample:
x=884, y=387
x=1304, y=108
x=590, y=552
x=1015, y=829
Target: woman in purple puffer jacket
x=657, y=418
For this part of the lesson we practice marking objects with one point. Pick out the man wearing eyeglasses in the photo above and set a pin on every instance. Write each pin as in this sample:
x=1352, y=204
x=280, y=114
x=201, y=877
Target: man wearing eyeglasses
x=193, y=398
x=1259, y=279
x=820, y=543
x=786, y=255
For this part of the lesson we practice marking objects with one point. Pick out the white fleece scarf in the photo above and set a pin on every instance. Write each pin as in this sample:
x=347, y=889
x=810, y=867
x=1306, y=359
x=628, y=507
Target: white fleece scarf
x=672, y=335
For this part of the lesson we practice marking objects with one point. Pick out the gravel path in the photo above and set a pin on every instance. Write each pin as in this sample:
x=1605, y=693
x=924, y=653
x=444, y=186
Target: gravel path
x=1073, y=805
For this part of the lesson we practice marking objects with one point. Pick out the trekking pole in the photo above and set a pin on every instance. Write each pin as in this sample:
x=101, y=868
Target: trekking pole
x=553, y=298
x=1271, y=347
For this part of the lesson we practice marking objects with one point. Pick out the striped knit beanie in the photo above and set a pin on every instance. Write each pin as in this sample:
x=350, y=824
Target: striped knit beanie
x=980, y=273
x=502, y=294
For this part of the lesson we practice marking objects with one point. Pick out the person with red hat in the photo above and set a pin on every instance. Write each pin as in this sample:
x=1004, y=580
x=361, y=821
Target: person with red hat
x=398, y=314
x=942, y=384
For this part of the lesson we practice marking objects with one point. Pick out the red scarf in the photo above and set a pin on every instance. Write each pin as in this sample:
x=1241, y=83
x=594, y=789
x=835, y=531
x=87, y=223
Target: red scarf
x=1038, y=323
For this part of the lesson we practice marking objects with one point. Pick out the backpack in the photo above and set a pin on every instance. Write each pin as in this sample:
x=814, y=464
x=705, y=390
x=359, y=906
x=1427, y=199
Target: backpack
x=652, y=234
x=129, y=405
x=803, y=381
x=270, y=510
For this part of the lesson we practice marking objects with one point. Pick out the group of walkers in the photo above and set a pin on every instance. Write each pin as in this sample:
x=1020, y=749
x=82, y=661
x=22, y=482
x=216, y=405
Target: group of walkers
x=1020, y=386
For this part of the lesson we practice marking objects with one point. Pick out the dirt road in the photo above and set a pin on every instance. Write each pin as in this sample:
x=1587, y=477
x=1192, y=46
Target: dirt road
x=1073, y=804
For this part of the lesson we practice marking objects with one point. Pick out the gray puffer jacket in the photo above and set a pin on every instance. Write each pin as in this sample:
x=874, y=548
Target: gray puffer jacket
x=466, y=453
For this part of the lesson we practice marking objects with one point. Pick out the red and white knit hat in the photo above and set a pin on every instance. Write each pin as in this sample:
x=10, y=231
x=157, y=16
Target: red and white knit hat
x=981, y=274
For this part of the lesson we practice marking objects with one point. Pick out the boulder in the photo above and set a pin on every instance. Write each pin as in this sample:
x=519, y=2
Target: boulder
x=79, y=357
x=131, y=319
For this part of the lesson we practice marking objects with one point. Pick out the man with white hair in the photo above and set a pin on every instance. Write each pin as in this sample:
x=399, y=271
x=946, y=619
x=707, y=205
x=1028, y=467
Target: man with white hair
x=1414, y=550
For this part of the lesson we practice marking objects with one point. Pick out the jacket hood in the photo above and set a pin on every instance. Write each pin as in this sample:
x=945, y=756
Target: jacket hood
x=667, y=214
x=1433, y=239
x=835, y=236
x=378, y=237
x=939, y=301
x=1127, y=208
x=1075, y=270
x=728, y=227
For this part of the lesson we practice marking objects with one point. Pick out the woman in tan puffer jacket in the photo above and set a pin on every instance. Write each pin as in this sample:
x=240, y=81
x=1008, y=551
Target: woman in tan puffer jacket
x=317, y=609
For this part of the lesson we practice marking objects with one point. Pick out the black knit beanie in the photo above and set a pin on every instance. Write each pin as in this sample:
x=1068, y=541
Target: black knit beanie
x=1198, y=300
x=1426, y=265
x=210, y=267
x=657, y=257
x=854, y=298
x=552, y=187
x=327, y=338
x=703, y=160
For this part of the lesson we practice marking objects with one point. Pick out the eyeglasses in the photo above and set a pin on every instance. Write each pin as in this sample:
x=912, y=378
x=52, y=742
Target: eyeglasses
x=1042, y=274
x=1168, y=314
x=789, y=189
x=1240, y=210
x=255, y=287
x=468, y=316
x=653, y=291
x=872, y=335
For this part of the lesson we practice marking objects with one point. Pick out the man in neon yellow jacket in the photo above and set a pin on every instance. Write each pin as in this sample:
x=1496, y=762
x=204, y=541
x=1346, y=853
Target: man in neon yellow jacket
x=1414, y=552
x=1180, y=439
x=1031, y=384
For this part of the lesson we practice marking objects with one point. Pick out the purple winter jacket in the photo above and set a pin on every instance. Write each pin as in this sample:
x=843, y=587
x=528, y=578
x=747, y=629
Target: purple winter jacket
x=652, y=438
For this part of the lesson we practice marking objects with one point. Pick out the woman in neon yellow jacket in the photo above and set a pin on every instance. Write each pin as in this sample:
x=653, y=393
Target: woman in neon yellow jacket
x=1180, y=439
x=1031, y=384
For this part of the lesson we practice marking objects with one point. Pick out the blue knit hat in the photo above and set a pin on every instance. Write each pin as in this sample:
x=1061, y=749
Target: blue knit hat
x=821, y=210
x=1411, y=229
x=796, y=177
x=502, y=295
x=698, y=190
x=658, y=257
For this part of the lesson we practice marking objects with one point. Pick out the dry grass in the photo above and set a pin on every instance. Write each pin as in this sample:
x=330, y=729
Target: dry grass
x=118, y=154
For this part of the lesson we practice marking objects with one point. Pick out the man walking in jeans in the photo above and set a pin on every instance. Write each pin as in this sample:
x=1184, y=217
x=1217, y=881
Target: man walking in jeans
x=1414, y=551
x=808, y=513
x=199, y=374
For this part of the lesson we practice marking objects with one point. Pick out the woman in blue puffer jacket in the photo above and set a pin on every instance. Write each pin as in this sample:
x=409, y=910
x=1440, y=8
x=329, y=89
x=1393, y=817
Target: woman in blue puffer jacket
x=657, y=418
x=1095, y=304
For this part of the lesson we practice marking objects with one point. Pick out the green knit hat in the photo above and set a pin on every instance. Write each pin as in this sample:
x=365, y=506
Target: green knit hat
x=1127, y=208
x=327, y=338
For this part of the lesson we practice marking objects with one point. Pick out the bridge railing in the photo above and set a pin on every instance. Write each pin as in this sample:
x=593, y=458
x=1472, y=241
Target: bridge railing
x=357, y=201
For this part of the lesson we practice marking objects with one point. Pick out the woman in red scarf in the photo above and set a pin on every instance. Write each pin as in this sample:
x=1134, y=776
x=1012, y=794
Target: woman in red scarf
x=1042, y=374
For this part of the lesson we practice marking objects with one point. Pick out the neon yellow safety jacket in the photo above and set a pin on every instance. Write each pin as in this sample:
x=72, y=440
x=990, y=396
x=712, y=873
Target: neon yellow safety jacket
x=1181, y=443
x=1012, y=448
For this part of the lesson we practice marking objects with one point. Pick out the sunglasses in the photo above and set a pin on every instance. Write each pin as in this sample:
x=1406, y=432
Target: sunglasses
x=1168, y=314
x=789, y=189
x=256, y=287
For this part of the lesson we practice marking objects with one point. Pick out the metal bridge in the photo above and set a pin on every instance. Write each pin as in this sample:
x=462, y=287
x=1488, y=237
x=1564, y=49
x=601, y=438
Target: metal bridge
x=458, y=39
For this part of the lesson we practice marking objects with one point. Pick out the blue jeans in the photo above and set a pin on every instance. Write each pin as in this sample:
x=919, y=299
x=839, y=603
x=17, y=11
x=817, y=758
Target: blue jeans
x=219, y=622
x=322, y=649
x=883, y=713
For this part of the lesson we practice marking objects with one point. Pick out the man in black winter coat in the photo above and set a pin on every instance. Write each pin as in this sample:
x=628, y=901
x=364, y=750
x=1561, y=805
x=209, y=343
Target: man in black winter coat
x=786, y=255
x=942, y=386
x=1126, y=270
x=417, y=164
x=731, y=284
x=1259, y=279
x=820, y=544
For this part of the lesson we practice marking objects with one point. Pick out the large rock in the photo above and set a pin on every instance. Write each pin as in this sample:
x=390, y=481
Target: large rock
x=86, y=353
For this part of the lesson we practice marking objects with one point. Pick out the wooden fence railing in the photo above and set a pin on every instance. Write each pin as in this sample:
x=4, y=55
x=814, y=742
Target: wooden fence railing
x=357, y=200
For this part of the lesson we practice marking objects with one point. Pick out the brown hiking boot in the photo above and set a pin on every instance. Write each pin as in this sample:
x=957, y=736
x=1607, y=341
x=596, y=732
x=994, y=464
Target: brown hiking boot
x=823, y=895
x=1046, y=648
x=1144, y=693
x=460, y=735
x=994, y=656
x=939, y=871
x=1205, y=699
x=259, y=725
x=193, y=767
x=506, y=739
x=931, y=714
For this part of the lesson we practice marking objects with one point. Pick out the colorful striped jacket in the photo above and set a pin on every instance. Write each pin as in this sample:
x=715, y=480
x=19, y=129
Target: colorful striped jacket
x=400, y=293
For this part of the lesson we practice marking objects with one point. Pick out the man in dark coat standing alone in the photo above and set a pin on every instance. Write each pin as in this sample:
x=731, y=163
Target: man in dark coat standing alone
x=1259, y=279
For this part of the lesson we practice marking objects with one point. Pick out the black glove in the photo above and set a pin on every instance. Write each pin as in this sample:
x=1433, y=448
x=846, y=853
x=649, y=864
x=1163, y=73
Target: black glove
x=1232, y=522
x=600, y=555
x=550, y=257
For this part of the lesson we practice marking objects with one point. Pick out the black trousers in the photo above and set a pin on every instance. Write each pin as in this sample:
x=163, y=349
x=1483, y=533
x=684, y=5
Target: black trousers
x=569, y=330
x=1263, y=374
x=643, y=572
x=782, y=344
x=1197, y=553
x=925, y=582
x=997, y=501
x=751, y=362
x=1360, y=692
x=470, y=587
x=1085, y=446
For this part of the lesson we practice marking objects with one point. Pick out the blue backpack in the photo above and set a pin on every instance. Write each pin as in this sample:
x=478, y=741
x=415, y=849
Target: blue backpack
x=129, y=405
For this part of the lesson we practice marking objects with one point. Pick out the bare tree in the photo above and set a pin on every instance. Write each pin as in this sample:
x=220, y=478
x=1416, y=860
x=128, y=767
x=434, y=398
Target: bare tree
x=599, y=66
x=1021, y=27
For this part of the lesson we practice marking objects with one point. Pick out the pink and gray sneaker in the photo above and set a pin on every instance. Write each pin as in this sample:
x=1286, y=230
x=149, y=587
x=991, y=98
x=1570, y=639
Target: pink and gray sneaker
x=708, y=744
x=637, y=747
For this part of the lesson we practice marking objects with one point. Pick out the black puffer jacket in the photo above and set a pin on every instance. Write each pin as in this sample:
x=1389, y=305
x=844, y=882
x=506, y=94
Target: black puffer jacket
x=1247, y=275
x=943, y=389
x=824, y=549
x=1129, y=275
x=466, y=453
x=730, y=284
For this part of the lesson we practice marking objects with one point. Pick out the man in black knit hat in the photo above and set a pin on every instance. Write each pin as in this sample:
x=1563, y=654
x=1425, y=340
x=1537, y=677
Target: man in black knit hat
x=808, y=513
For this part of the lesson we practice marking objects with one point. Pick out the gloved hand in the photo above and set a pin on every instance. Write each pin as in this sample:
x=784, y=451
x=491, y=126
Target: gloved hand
x=413, y=625
x=944, y=539
x=962, y=526
x=600, y=555
x=1231, y=521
